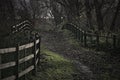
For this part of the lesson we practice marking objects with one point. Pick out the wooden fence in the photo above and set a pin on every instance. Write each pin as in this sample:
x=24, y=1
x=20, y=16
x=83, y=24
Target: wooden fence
x=25, y=25
x=90, y=39
x=17, y=62
x=35, y=56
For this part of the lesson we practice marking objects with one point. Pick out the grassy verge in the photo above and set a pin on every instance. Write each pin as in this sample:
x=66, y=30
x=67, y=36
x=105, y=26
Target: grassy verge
x=54, y=67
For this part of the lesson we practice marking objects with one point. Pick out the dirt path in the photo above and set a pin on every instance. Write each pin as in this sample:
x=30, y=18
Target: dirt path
x=57, y=42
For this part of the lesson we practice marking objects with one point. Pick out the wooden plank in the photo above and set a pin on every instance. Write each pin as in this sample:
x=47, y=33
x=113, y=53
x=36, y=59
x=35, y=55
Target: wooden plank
x=22, y=23
x=37, y=41
x=26, y=71
x=106, y=36
x=26, y=58
x=26, y=46
x=7, y=65
x=91, y=34
x=24, y=26
x=7, y=50
x=37, y=51
x=10, y=78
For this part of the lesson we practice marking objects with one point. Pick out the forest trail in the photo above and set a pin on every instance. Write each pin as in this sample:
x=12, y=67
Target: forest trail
x=57, y=42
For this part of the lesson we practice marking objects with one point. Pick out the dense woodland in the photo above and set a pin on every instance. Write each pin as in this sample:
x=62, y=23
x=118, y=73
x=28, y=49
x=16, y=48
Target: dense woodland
x=93, y=15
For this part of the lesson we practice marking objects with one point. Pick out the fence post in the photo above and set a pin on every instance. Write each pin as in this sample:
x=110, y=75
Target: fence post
x=114, y=41
x=34, y=60
x=17, y=62
x=98, y=41
x=82, y=36
x=79, y=35
x=85, y=39
x=39, y=45
x=25, y=63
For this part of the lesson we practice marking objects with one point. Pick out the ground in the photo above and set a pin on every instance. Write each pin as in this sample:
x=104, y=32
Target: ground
x=64, y=59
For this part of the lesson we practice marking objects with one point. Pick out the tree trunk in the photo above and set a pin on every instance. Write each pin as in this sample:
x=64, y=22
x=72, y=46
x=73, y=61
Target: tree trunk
x=7, y=16
x=98, y=15
x=88, y=14
x=112, y=27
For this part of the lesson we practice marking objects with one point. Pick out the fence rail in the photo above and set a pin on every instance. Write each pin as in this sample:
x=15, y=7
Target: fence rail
x=25, y=25
x=87, y=38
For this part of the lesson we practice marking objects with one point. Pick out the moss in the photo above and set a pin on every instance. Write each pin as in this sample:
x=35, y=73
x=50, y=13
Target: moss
x=55, y=67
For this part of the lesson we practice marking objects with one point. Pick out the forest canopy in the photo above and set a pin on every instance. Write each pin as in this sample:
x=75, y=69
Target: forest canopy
x=92, y=15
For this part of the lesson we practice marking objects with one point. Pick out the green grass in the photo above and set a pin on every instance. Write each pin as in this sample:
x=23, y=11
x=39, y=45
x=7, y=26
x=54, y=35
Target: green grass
x=54, y=67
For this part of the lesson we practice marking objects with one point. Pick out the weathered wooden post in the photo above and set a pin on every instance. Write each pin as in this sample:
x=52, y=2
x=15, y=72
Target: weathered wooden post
x=34, y=60
x=17, y=62
x=114, y=41
x=25, y=63
x=39, y=45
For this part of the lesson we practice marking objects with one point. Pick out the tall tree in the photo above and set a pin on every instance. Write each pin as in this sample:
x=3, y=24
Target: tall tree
x=98, y=6
x=112, y=27
x=6, y=16
x=88, y=13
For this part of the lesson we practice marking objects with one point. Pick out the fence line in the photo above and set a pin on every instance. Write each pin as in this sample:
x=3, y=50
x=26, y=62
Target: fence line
x=20, y=61
x=83, y=36
x=17, y=62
